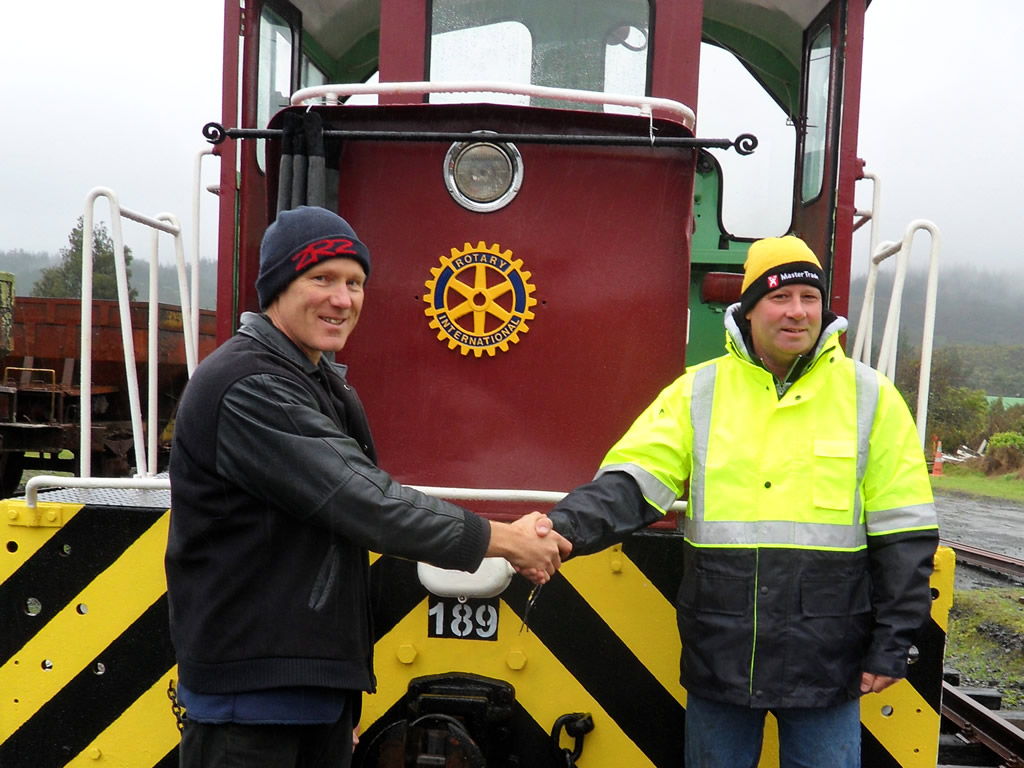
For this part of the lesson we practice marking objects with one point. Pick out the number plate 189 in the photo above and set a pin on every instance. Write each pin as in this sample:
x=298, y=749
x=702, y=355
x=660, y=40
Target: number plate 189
x=474, y=619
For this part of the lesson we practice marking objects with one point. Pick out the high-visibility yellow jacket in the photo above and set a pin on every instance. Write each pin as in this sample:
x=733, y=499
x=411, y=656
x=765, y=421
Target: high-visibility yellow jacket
x=809, y=532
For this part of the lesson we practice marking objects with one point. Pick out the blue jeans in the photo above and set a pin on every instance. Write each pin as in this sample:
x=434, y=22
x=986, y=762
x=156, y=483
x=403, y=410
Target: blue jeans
x=729, y=736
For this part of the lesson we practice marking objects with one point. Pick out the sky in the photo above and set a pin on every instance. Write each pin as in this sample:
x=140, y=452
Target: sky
x=114, y=93
x=942, y=110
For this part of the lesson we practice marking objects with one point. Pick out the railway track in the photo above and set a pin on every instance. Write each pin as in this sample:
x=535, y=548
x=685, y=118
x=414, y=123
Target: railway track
x=973, y=722
x=977, y=724
x=981, y=558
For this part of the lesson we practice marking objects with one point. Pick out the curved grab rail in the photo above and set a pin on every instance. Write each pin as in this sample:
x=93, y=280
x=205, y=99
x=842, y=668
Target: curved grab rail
x=644, y=104
x=163, y=222
x=887, y=353
x=34, y=484
x=121, y=275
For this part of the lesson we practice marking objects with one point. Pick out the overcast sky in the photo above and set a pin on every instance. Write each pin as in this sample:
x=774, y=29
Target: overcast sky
x=111, y=93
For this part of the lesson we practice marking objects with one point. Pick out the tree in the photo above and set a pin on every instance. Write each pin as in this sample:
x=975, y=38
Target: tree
x=957, y=414
x=65, y=280
x=1003, y=419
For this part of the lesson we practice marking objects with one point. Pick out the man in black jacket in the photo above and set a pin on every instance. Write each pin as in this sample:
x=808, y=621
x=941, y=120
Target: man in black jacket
x=276, y=501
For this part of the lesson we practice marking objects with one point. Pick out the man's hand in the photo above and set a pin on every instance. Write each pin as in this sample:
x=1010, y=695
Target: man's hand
x=533, y=554
x=870, y=683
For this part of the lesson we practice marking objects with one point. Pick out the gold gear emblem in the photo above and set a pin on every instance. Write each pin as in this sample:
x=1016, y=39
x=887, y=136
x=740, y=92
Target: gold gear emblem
x=479, y=299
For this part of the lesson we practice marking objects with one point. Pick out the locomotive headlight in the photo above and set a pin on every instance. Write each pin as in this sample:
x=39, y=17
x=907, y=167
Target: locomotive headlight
x=483, y=176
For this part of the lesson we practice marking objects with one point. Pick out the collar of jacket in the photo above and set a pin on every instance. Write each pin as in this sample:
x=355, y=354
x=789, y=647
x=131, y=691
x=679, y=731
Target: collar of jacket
x=260, y=328
x=737, y=343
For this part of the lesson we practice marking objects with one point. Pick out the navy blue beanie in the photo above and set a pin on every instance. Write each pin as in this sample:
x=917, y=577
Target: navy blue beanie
x=302, y=238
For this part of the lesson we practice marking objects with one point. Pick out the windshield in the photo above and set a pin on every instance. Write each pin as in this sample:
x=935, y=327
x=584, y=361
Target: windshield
x=592, y=45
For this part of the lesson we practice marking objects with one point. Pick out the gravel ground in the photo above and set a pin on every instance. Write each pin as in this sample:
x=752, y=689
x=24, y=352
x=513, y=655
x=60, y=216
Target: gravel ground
x=991, y=524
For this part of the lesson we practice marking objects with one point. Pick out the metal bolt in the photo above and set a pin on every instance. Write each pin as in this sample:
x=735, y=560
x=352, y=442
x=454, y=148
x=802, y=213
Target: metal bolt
x=516, y=659
x=95, y=753
x=406, y=653
x=616, y=561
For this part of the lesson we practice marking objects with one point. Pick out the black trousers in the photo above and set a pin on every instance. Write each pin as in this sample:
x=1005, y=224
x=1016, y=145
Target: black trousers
x=234, y=745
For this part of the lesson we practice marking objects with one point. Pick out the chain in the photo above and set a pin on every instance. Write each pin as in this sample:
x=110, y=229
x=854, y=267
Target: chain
x=179, y=711
x=576, y=725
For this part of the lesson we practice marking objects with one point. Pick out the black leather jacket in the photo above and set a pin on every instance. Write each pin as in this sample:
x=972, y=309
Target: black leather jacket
x=276, y=500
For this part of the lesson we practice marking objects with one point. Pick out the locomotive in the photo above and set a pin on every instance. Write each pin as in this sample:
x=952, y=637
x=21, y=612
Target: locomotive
x=549, y=252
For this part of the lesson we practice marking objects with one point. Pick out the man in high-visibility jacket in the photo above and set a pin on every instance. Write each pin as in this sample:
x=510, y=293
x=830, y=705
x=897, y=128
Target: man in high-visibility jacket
x=809, y=532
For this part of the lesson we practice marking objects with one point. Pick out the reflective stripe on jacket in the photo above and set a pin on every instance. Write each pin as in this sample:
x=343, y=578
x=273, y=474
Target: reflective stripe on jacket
x=785, y=472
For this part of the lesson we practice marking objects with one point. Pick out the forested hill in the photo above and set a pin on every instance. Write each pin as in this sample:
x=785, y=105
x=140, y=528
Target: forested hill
x=979, y=318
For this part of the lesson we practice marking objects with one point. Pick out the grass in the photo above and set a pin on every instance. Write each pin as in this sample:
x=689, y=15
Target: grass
x=985, y=637
x=959, y=479
x=30, y=473
x=985, y=641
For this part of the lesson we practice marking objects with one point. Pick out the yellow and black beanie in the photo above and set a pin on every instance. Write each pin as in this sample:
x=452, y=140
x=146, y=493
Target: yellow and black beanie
x=774, y=262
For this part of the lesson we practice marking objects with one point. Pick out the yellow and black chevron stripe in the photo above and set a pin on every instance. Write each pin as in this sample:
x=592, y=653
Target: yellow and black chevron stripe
x=85, y=657
x=602, y=639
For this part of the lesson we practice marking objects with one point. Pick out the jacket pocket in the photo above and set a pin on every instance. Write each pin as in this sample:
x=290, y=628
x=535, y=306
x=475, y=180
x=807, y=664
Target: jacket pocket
x=835, y=597
x=716, y=594
x=835, y=473
x=326, y=578
x=826, y=646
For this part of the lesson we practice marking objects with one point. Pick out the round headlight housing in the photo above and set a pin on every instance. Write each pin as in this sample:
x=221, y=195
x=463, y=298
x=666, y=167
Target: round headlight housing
x=483, y=176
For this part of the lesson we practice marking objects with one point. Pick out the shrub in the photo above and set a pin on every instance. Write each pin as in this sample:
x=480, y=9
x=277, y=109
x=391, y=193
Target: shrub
x=1009, y=439
x=1003, y=459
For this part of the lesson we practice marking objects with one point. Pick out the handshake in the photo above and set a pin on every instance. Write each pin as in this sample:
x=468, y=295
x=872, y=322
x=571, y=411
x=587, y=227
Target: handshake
x=531, y=544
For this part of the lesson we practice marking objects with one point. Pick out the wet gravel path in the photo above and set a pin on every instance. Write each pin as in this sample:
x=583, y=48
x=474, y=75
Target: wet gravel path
x=992, y=524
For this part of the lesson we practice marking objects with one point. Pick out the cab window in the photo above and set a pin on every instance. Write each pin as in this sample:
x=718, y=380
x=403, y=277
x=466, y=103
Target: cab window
x=757, y=190
x=501, y=51
x=594, y=45
x=310, y=75
x=819, y=64
x=276, y=45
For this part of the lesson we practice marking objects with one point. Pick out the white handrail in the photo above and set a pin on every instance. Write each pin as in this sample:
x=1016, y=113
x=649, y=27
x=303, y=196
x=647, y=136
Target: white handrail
x=85, y=388
x=644, y=104
x=878, y=253
x=37, y=482
x=163, y=222
x=864, y=323
x=454, y=494
x=494, y=494
x=153, y=353
x=196, y=194
x=189, y=316
x=888, y=350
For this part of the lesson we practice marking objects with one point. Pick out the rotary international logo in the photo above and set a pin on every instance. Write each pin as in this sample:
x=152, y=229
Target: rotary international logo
x=479, y=299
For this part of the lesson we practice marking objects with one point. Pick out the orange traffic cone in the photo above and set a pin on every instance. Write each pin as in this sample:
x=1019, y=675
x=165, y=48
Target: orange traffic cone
x=937, y=464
